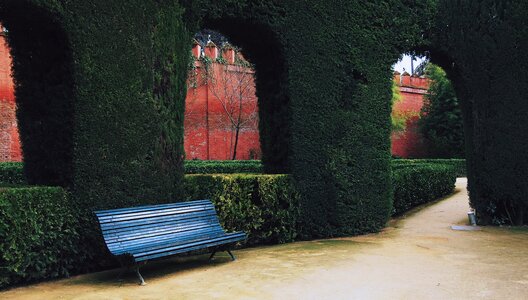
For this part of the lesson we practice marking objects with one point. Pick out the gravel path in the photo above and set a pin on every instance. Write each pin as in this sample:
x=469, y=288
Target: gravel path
x=417, y=257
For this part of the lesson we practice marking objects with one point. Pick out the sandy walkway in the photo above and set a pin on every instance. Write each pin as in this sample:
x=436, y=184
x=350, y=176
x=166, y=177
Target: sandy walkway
x=418, y=257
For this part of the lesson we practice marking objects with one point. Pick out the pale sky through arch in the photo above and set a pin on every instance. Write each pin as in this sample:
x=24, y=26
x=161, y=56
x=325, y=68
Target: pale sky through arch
x=405, y=62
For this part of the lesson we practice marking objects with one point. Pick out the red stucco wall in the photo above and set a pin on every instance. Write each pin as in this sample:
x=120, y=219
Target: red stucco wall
x=212, y=98
x=9, y=139
x=410, y=143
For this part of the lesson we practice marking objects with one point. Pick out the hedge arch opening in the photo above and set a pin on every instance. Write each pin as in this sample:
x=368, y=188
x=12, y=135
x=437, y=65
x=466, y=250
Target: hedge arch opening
x=262, y=48
x=43, y=75
x=221, y=114
x=427, y=121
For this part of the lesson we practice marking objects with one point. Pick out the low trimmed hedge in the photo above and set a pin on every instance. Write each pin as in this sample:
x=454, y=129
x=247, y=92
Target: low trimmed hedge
x=255, y=166
x=421, y=183
x=41, y=237
x=12, y=173
x=458, y=164
x=38, y=236
x=266, y=207
x=222, y=166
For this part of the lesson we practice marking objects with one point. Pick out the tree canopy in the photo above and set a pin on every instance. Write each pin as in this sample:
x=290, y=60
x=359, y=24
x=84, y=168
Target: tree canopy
x=441, y=120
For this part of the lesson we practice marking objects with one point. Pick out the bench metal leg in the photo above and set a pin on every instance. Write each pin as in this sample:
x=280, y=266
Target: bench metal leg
x=124, y=268
x=213, y=254
x=121, y=272
x=141, y=280
x=231, y=254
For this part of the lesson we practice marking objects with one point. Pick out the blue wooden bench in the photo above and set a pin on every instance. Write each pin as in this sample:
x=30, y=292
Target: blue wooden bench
x=140, y=234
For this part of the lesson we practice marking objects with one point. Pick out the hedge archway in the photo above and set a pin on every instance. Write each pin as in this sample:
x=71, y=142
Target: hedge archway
x=118, y=130
x=43, y=73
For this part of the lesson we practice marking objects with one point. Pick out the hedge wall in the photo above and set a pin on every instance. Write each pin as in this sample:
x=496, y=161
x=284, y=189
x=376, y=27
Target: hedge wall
x=12, y=173
x=39, y=236
x=459, y=165
x=223, y=166
x=255, y=166
x=266, y=207
x=421, y=183
x=482, y=46
x=100, y=102
x=101, y=87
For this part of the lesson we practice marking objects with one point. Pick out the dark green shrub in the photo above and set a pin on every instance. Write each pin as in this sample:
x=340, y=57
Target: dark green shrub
x=222, y=166
x=482, y=47
x=419, y=184
x=266, y=207
x=38, y=235
x=458, y=164
x=12, y=173
x=440, y=121
x=101, y=116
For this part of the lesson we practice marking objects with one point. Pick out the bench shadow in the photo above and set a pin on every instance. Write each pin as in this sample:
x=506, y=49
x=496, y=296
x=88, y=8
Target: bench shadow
x=152, y=271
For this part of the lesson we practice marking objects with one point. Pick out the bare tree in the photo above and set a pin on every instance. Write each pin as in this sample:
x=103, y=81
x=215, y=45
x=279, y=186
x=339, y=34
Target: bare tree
x=233, y=86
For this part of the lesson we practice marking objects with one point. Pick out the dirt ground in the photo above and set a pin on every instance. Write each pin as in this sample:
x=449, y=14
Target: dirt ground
x=417, y=257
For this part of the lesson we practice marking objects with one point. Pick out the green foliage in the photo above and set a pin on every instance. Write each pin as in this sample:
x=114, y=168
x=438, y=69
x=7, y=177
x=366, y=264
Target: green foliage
x=398, y=121
x=222, y=166
x=100, y=103
x=441, y=117
x=12, y=173
x=482, y=47
x=421, y=183
x=266, y=207
x=459, y=165
x=43, y=75
x=101, y=86
x=39, y=237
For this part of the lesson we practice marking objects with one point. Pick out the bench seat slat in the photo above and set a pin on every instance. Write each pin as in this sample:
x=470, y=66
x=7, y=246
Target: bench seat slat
x=155, y=231
x=167, y=237
x=169, y=242
x=157, y=213
x=130, y=225
x=231, y=238
x=119, y=211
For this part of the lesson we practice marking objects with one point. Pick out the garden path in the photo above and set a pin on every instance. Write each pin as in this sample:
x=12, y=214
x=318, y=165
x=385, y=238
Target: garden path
x=417, y=256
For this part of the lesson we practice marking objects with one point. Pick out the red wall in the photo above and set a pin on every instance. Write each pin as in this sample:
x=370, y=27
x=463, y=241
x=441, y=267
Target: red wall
x=9, y=140
x=209, y=133
x=410, y=143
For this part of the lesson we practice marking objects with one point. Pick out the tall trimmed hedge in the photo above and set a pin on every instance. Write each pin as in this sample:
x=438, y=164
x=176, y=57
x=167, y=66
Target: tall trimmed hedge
x=100, y=102
x=12, y=173
x=323, y=81
x=482, y=46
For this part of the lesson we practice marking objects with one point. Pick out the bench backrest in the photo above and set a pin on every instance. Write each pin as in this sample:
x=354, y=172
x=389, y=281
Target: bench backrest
x=126, y=228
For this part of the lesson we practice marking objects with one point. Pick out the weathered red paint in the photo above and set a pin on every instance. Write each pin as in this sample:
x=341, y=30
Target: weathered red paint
x=410, y=144
x=209, y=134
x=10, y=149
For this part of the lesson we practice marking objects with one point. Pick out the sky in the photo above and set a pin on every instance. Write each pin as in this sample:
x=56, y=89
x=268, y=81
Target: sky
x=405, y=62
